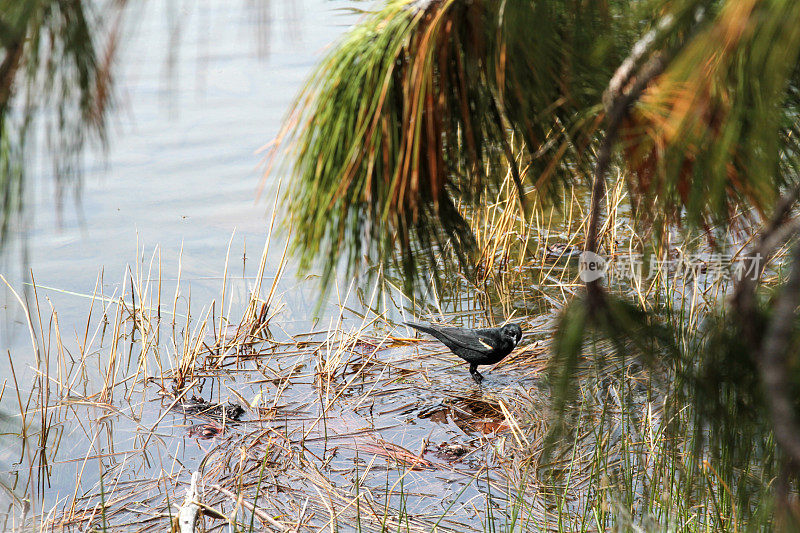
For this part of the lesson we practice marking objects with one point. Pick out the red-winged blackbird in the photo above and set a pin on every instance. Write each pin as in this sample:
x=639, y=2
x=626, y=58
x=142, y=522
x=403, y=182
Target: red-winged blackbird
x=476, y=346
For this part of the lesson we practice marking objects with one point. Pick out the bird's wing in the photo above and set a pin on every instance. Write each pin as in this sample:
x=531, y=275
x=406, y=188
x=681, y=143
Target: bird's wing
x=469, y=339
x=465, y=338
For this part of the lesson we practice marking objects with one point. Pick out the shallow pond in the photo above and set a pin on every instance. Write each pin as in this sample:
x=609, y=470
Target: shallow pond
x=123, y=274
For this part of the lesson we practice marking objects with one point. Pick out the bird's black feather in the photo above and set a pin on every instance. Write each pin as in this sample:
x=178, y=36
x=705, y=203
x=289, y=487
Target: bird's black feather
x=476, y=346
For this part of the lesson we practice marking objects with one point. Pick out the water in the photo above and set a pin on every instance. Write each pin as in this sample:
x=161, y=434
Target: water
x=201, y=86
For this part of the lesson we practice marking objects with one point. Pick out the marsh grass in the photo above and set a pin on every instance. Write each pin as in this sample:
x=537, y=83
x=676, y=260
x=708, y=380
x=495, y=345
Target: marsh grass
x=358, y=425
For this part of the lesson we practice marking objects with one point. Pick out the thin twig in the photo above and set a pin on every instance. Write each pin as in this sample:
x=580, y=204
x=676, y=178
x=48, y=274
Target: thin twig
x=250, y=507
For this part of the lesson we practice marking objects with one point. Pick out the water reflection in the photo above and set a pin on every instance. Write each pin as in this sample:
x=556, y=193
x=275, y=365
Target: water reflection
x=200, y=87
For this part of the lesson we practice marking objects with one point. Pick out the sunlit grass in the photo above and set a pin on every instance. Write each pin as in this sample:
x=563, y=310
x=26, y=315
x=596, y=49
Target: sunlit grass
x=352, y=425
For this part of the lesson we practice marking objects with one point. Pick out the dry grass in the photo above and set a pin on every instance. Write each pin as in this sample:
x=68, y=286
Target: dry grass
x=356, y=425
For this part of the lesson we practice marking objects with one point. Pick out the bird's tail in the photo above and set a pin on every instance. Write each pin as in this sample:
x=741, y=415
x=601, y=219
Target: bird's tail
x=426, y=329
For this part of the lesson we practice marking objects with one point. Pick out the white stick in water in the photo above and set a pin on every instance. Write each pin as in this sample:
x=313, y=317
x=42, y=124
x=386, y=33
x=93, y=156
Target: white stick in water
x=187, y=516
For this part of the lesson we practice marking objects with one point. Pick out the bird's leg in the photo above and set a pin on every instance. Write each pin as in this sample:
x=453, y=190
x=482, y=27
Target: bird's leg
x=473, y=370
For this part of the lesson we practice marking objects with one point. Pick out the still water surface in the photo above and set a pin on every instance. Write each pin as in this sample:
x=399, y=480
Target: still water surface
x=202, y=85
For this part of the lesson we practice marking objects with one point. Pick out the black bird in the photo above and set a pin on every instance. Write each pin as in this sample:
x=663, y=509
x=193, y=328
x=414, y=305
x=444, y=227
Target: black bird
x=476, y=346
